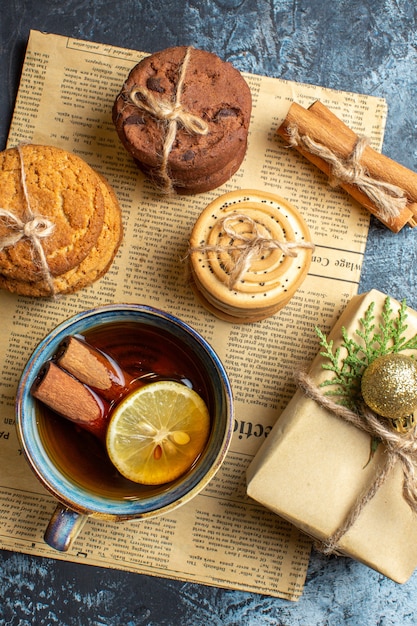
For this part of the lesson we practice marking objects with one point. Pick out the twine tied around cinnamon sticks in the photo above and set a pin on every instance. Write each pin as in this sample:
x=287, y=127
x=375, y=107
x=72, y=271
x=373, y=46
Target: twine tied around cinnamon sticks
x=173, y=114
x=253, y=245
x=399, y=447
x=32, y=227
x=390, y=199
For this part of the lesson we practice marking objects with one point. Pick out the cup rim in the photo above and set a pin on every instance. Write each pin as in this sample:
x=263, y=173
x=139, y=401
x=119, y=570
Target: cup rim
x=79, y=498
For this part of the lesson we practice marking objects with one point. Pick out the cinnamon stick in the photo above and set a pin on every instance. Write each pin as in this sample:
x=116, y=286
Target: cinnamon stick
x=71, y=399
x=94, y=368
x=325, y=128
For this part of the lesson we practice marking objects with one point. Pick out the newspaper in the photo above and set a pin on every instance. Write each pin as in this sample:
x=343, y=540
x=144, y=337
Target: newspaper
x=222, y=537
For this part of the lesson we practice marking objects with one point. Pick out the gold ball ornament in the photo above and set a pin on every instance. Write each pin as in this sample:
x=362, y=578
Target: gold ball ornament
x=389, y=386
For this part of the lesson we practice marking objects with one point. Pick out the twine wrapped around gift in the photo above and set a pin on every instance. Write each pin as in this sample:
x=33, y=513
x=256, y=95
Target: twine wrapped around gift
x=32, y=227
x=401, y=448
x=253, y=245
x=390, y=199
x=173, y=114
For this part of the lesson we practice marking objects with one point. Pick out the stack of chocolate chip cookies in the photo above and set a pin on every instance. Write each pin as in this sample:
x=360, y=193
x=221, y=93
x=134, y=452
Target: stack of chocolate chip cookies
x=183, y=114
x=60, y=222
x=249, y=253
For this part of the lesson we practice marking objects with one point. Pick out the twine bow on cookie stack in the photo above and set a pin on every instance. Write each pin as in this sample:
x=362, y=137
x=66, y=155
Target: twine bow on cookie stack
x=253, y=245
x=249, y=251
x=32, y=227
x=173, y=114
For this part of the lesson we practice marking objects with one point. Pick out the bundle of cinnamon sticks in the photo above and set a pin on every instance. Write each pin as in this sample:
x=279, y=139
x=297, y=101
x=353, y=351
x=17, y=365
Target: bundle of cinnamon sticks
x=387, y=189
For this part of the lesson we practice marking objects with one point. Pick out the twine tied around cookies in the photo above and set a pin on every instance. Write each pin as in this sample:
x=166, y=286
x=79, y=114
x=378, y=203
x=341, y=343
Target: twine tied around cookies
x=253, y=245
x=173, y=114
x=388, y=198
x=399, y=448
x=32, y=227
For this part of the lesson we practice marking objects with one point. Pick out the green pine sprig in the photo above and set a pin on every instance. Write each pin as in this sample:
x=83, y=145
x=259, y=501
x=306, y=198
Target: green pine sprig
x=374, y=341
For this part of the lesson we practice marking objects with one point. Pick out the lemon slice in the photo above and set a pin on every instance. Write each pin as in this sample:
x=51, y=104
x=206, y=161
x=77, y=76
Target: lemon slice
x=157, y=432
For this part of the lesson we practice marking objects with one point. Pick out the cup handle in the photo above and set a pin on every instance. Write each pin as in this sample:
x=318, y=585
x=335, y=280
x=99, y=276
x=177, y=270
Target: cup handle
x=63, y=528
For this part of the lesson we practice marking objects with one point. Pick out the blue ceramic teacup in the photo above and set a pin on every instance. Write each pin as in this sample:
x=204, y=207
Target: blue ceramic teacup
x=84, y=487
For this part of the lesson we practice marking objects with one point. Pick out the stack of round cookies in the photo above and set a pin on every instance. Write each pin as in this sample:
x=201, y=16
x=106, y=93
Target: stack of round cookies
x=183, y=114
x=249, y=253
x=60, y=222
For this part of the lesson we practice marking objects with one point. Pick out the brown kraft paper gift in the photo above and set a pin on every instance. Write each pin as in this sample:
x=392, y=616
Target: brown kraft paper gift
x=314, y=466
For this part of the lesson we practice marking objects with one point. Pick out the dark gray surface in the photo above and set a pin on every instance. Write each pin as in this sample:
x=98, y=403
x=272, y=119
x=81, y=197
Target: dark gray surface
x=368, y=47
